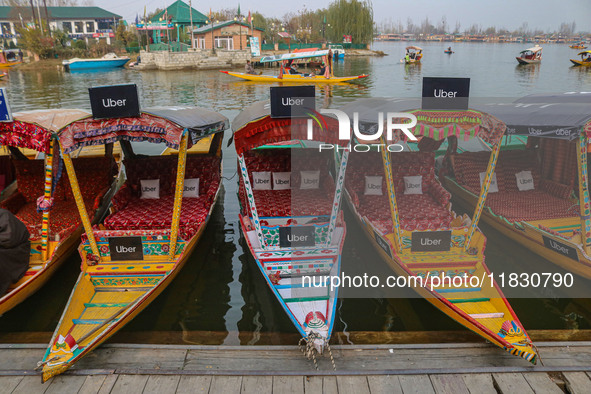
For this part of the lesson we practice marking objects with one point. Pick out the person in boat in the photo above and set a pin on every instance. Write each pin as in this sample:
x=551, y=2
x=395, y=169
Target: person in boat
x=15, y=249
x=449, y=49
x=320, y=71
x=293, y=69
x=248, y=68
x=407, y=57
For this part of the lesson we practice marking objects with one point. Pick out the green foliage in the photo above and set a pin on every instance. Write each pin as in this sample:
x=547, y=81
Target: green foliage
x=79, y=44
x=351, y=17
x=33, y=40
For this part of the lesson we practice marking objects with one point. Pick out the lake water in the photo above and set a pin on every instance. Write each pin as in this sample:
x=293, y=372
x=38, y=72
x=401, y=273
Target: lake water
x=220, y=297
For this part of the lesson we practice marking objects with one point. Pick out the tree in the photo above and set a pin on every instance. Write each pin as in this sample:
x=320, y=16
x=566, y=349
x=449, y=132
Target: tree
x=351, y=17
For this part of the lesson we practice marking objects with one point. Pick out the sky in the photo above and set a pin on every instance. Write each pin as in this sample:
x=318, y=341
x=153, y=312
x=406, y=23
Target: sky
x=510, y=14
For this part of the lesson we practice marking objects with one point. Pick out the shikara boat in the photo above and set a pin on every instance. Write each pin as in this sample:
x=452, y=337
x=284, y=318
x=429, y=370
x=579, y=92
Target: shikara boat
x=551, y=215
x=290, y=214
x=531, y=55
x=415, y=54
x=585, y=59
x=9, y=58
x=41, y=198
x=406, y=213
x=286, y=59
x=109, y=61
x=580, y=45
x=158, y=215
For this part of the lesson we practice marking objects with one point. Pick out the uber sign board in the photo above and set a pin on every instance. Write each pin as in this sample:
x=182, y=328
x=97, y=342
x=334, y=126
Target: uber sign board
x=126, y=248
x=296, y=236
x=446, y=93
x=117, y=101
x=430, y=241
x=561, y=248
x=292, y=101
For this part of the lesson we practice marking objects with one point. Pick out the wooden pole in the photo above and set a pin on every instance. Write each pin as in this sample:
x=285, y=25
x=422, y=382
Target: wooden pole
x=584, y=201
x=391, y=195
x=492, y=162
x=251, y=202
x=178, y=196
x=47, y=196
x=336, y=204
x=191, y=17
x=80, y=204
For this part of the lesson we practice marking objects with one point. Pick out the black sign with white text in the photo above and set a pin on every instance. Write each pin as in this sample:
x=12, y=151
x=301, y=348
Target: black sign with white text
x=561, y=248
x=382, y=243
x=430, y=241
x=117, y=101
x=126, y=248
x=292, y=101
x=446, y=93
x=296, y=236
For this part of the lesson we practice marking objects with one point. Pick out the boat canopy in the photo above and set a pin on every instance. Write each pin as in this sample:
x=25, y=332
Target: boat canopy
x=158, y=125
x=35, y=129
x=582, y=53
x=435, y=124
x=414, y=47
x=254, y=127
x=535, y=49
x=296, y=55
x=550, y=120
x=566, y=97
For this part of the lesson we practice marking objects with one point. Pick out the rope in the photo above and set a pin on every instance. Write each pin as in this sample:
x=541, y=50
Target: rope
x=40, y=364
x=307, y=347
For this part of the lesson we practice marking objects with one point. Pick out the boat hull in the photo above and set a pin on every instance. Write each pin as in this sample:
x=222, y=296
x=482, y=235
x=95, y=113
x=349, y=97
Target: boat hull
x=402, y=268
x=9, y=64
x=580, y=63
x=530, y=236
x=288, y=78
x=523, y=61
x=95, y=64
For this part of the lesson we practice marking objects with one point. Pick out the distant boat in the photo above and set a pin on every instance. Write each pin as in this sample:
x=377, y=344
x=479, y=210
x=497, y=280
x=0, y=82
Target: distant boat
x=448, y=51
x=580, y=45
x=531, y=55
x=415, y=54
x=338, y=52
x=9, y=58
x=110, y=60
x=585, y=59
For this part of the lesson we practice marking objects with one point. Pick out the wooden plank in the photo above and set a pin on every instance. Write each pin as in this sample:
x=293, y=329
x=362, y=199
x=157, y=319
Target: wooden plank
x=8, y=383
x=288, y=384
x=108, y=384
x=577, y=382
x=512, y=383
x=92, y=384
x=193, y=384
x=313, y=384
x=63, y=384
x=259, y=384
x=161, y=384
x=225, y=384
x=416, y=384
x=383, y=384
x=129, y=358
x=130, y=384
x=20, y=358
x=31, y=384
x=541, y=383
x=329, y=385
x=352, y=384
x=479, y=383
x=449, y=384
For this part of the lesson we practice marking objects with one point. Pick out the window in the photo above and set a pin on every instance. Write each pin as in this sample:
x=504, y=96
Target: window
x=67, y=27
x=6, y=28
x=90, y=27
x=225, y=42
x=78, y=27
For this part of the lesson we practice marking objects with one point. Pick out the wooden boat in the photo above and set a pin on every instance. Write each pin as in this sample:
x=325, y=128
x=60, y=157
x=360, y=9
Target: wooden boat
x=418, y=234
x=415, y=54
x=531, y=55
x=109, y=61
x=551, y=218
x=585, y=59
x=448, y=51
x=270, y=219
x=286, y=60
x=143, y=244
x=8, y=58
x=580, y=45
x=338, y=52
x=56, y=230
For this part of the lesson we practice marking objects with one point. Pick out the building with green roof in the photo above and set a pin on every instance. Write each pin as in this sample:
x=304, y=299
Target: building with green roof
x=179, y=14
x=77, y=22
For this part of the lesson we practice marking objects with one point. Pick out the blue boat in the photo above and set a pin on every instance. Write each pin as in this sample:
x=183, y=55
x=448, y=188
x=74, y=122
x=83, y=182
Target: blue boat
x=110, y=60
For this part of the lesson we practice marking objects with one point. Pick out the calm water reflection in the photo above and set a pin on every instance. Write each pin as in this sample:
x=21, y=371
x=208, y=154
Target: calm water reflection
x=220, y=289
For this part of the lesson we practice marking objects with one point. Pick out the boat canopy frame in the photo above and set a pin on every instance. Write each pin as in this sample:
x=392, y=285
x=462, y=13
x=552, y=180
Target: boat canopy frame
x=177, y=127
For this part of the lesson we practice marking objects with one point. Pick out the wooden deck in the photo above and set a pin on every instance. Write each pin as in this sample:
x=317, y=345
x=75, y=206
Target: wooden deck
x=432, y=368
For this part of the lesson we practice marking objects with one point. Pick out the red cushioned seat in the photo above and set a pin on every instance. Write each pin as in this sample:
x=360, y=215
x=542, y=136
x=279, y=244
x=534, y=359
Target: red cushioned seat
x=293, y=202
x=548, y=200
x=427, y=211
x=134, y=213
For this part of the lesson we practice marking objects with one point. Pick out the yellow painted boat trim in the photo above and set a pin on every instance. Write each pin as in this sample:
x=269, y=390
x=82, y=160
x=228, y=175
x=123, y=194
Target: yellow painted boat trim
x=293, y=78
